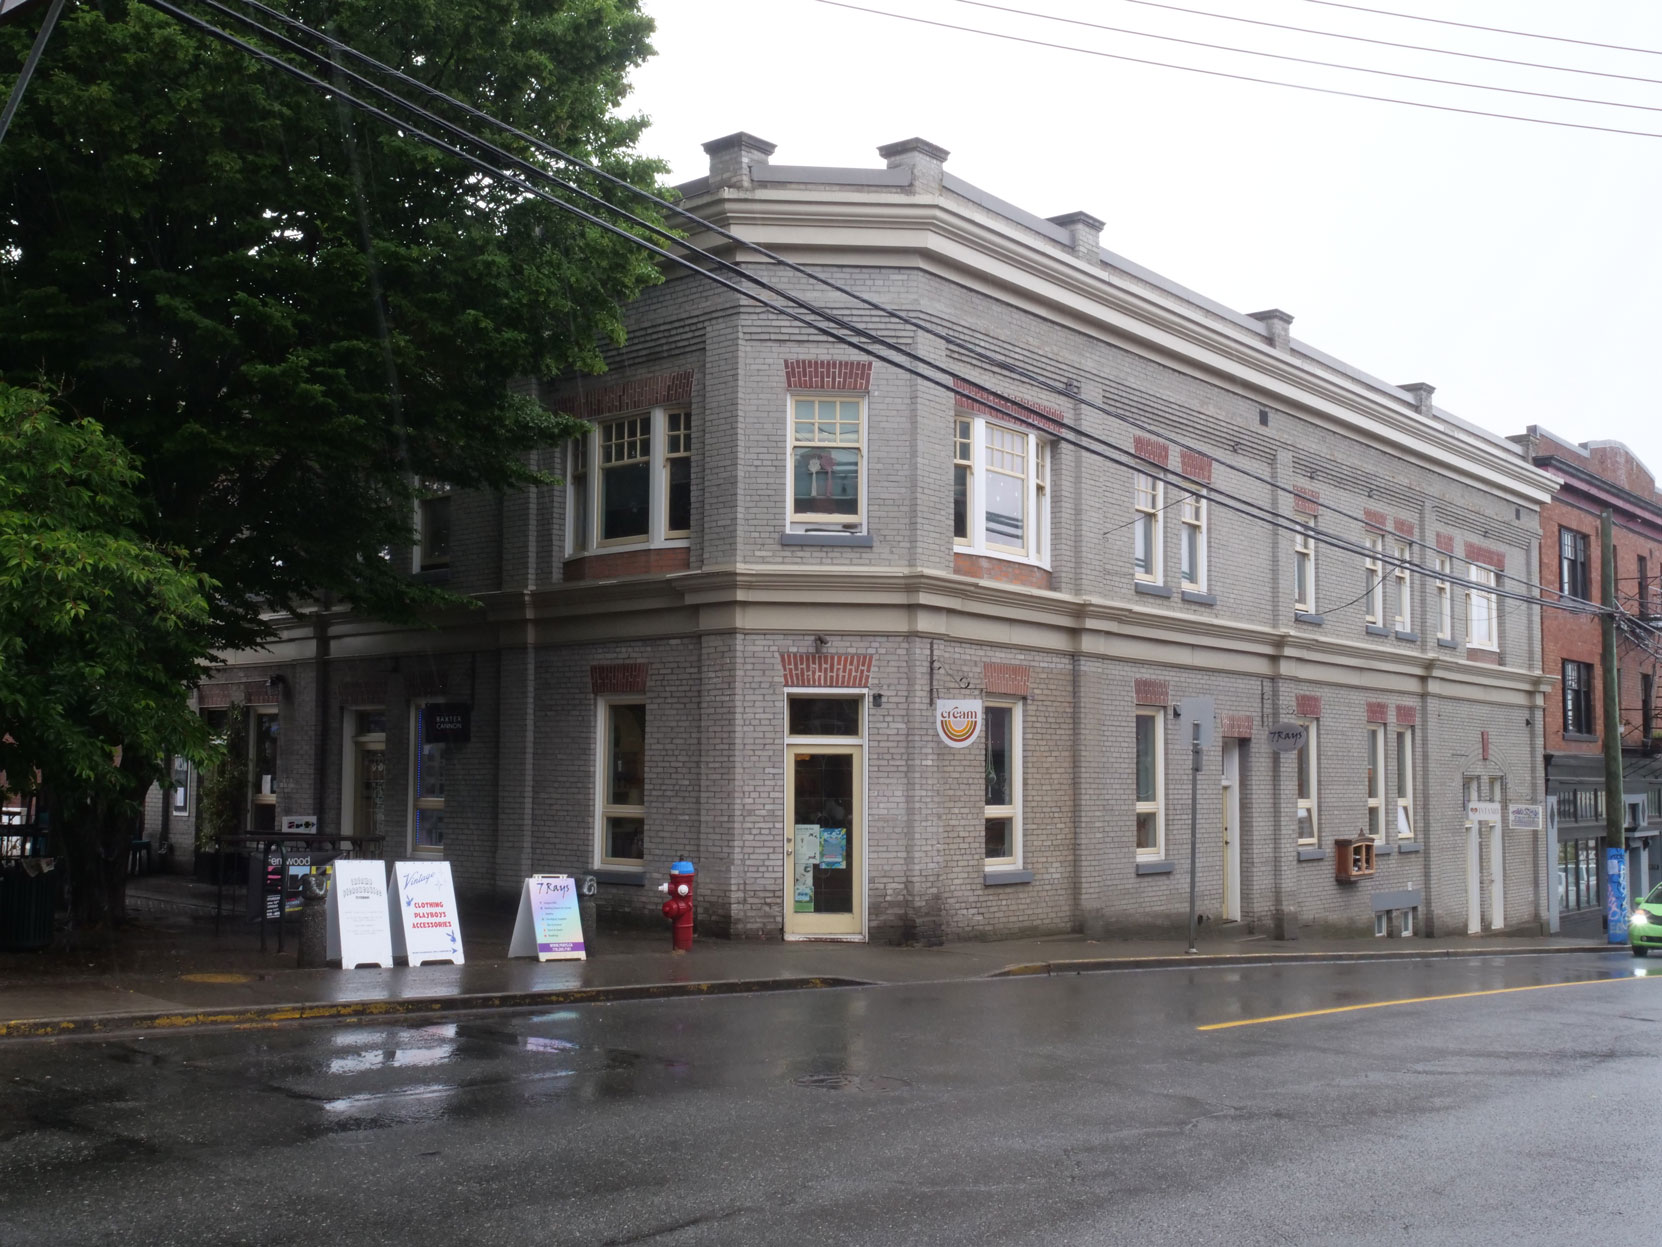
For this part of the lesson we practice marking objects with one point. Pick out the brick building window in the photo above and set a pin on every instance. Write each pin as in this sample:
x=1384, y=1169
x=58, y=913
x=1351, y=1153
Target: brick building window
x=622, y=784
x=1304, y=566
x=963, y=477
x=180, y=796
x=1642, y=595
x=1482, y=621
x=1445, y=610
x=827, y=441
x=1573, y=578
x=1001, y=811
x=677, y=473
x=1194, y=542
x=1405, y=783
x=430, y=761
x=629, y=483
x=1376, y=781
x=577, y=489
x=1373, y=569
x=1403, y=590
x=433, y=526
x=1306, y=764
x=1146, y=537
x=1578, y=699
x=262, y=776
x=625, y=479
x=1000, y=494
x=1151, y=782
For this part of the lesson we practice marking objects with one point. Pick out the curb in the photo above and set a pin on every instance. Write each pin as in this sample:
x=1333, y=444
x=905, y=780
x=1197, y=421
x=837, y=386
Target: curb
x=263, y=1016
x=1168, y=961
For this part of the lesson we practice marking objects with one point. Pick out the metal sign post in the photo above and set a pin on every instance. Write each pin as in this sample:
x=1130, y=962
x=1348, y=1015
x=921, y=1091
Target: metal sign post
x=1198, y=713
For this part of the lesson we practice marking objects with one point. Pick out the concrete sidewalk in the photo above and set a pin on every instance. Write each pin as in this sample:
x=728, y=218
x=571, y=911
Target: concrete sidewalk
x=169, y=970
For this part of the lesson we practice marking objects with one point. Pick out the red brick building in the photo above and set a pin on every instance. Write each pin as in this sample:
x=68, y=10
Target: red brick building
x=1596, y=476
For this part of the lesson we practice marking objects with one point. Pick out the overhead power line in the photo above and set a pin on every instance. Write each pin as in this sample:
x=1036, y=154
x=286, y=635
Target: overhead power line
x=1219, y=73
x=1014, y=409
x=1306, y=60
x=1389, y=43
x=1493, y=30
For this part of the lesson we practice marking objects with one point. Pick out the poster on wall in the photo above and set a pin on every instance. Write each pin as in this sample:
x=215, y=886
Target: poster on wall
x=1524, y=817
x=424, y=900
x=958, y=720
x=833, y=848
x=549, y=926
x=805, y=855
x=360, y=933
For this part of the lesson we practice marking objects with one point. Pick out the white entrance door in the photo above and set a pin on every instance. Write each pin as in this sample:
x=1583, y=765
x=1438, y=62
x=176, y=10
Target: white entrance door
x=1474, y=864
x=1231, y=831
x=1497, y=861
x=824, y=820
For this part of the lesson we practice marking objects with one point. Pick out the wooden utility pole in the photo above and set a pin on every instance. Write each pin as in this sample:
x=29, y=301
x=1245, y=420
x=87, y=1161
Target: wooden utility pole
x=1615, y=811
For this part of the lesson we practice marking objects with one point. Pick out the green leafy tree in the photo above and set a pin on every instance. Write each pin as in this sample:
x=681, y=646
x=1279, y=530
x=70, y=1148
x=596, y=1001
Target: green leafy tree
x=290, y=314
x=98, y=626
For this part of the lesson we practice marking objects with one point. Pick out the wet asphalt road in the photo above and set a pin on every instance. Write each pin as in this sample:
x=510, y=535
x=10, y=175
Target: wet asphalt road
x=1085, y=1109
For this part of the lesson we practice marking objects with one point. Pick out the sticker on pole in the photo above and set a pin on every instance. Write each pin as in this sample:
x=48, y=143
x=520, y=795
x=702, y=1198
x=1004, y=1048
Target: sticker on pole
x=958, y=721
x=1287, y=737
x=425, y=901
x=359, y=931
x=549, y=926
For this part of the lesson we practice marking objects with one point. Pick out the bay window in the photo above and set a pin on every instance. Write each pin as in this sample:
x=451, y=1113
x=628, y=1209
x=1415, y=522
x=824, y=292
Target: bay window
x=629, y=482
x=1000, y=490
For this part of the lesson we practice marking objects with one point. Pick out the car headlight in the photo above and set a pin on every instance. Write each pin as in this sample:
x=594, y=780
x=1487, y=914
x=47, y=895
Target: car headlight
x=1640, y=918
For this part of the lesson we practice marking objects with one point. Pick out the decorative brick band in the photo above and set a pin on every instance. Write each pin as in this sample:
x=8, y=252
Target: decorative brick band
x=1010, y=679
x=826, y=670
x=1407, y=716
x=1308, y=705
x=972, y=398
x=1378, y=712
x=1236, y=726
x=1404, y=528
x=223, y=693
x=1375, y=519
x=1486, y=556
x=1445, y=542
x=1007, y=571
x=363, y=692
x=607, y=678
x=1153, y=692
x=636, y=395
x=1152, y=449
x=1483, y=742
x=629, y=563
x=852, y=376
x=1487, y=656
x=1195, y=466
x=426, y=683
x=1306, y=501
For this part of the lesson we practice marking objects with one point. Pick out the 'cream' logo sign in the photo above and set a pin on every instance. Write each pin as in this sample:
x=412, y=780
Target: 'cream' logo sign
x=958, y=722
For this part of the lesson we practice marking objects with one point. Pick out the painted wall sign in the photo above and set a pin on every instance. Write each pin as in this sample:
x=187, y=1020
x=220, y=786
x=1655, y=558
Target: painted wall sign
x=359, y=931
x=1483, y=811
x=424, y=898
x=549, y=926
x=449, y=722
x=958, y=721
x=1524, y=817
x=1288, y=737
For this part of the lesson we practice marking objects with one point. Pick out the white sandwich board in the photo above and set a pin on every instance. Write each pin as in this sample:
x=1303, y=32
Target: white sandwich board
x=549, y=926
x=424, y=900
x=359, y=931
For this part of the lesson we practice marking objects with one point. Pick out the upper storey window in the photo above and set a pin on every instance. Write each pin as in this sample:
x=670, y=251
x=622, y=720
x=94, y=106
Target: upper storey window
x=629, y=482
x=1000, y=490
x=1146, y=540
x=828, y=461
x=1573, y=580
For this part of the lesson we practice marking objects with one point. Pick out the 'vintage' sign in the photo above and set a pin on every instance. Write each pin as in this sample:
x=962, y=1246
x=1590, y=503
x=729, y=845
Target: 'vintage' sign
x=424, y=901
x=958, y=721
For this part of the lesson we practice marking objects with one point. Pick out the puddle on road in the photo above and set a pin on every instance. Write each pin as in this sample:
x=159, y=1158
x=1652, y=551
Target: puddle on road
x=851, y=1082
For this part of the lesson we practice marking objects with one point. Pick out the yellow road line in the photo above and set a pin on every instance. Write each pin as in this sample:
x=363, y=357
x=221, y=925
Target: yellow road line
x=1411, y=1000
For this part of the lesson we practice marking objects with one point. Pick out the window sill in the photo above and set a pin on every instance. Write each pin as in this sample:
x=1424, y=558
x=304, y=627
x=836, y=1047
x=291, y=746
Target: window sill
x=1154, y=868
x=853, y=541
x=1408, y=848
x=995, y=877
x=1312, y=854
x=1407, y=636
x=1444, y=642
x=1381, y=849
x=1584, y=737
x=622, y=878
x=1472, y=646
x=433, y=575
x=1309, y=617
x=1376, y=630
x=1151, y=590
x=1200, y=598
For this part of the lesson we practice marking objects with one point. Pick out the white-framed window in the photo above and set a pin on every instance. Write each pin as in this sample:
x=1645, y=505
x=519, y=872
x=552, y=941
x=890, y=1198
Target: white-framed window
x=1376, y=781
x=1403, y=616
x=1000, y=490
x=1373, y=567
x=1147, y=494
x=1445, y=599
x=1307, y=765
x=1482, y=621
x=179, y=798
x=620, y=784
x=828, y=438
x=629, y=482
x=429, y=764
x=1194, y=542
x=1001, y=731
x=1304, y=566
x=263, y=743
x=432, y=548
x=1151, y=782
x=1405, y=784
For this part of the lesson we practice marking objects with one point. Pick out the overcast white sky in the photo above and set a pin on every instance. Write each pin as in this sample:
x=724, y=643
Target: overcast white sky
x=1515, y=267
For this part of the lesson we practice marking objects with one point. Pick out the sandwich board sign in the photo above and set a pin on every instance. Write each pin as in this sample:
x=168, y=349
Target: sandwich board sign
x=549, y=926
x=359, y=931
x=423, y=899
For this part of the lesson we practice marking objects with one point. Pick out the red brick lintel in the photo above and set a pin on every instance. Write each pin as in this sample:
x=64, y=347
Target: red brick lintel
x=842, y=376
x=1008, y=679
x=826, y=670
x=636, y=395
x=617, y=677
x=1153, y=692
x=972, y=398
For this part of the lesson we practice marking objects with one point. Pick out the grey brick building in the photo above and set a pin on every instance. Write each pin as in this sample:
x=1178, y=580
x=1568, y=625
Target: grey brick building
x=725, y=635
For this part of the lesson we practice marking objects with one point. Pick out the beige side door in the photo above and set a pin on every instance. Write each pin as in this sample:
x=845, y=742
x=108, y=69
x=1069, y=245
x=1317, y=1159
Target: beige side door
x=824, y=841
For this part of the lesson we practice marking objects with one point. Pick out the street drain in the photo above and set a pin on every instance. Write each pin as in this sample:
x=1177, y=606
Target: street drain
x=851, y=1082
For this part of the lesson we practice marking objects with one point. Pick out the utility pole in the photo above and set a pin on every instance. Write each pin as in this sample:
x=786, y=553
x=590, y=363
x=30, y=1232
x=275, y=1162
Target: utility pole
x=7, y=9
x=1615, y=811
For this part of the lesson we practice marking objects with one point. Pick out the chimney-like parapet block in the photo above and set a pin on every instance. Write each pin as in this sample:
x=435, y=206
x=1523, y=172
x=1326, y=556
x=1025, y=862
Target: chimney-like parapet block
x=1422, y=393
x=1278, y=327
x=732, y=155
x=1084, y=234
x=926, y=160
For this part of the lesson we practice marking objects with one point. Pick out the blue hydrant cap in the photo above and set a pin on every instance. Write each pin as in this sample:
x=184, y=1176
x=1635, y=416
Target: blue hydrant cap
x=681, y=868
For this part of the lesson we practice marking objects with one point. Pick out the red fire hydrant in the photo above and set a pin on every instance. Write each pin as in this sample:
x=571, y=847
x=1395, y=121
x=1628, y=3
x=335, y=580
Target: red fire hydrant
x=679, y=907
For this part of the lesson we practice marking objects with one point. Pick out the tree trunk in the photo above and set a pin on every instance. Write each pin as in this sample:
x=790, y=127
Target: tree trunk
x=97, y=838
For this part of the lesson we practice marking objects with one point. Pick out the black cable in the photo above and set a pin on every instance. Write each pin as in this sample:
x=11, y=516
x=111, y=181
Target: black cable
x=1305, y=60
x=971, y=349
x=1387, y=43
x=1492, y=30
x=1219, y=73
x=1036, y=419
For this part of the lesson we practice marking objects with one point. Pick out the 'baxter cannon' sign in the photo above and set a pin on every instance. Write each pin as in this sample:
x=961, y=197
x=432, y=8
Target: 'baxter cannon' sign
x=449, y=723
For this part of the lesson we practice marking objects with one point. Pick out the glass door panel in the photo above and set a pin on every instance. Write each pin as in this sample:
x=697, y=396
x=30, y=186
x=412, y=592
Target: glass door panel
x=823, y=847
